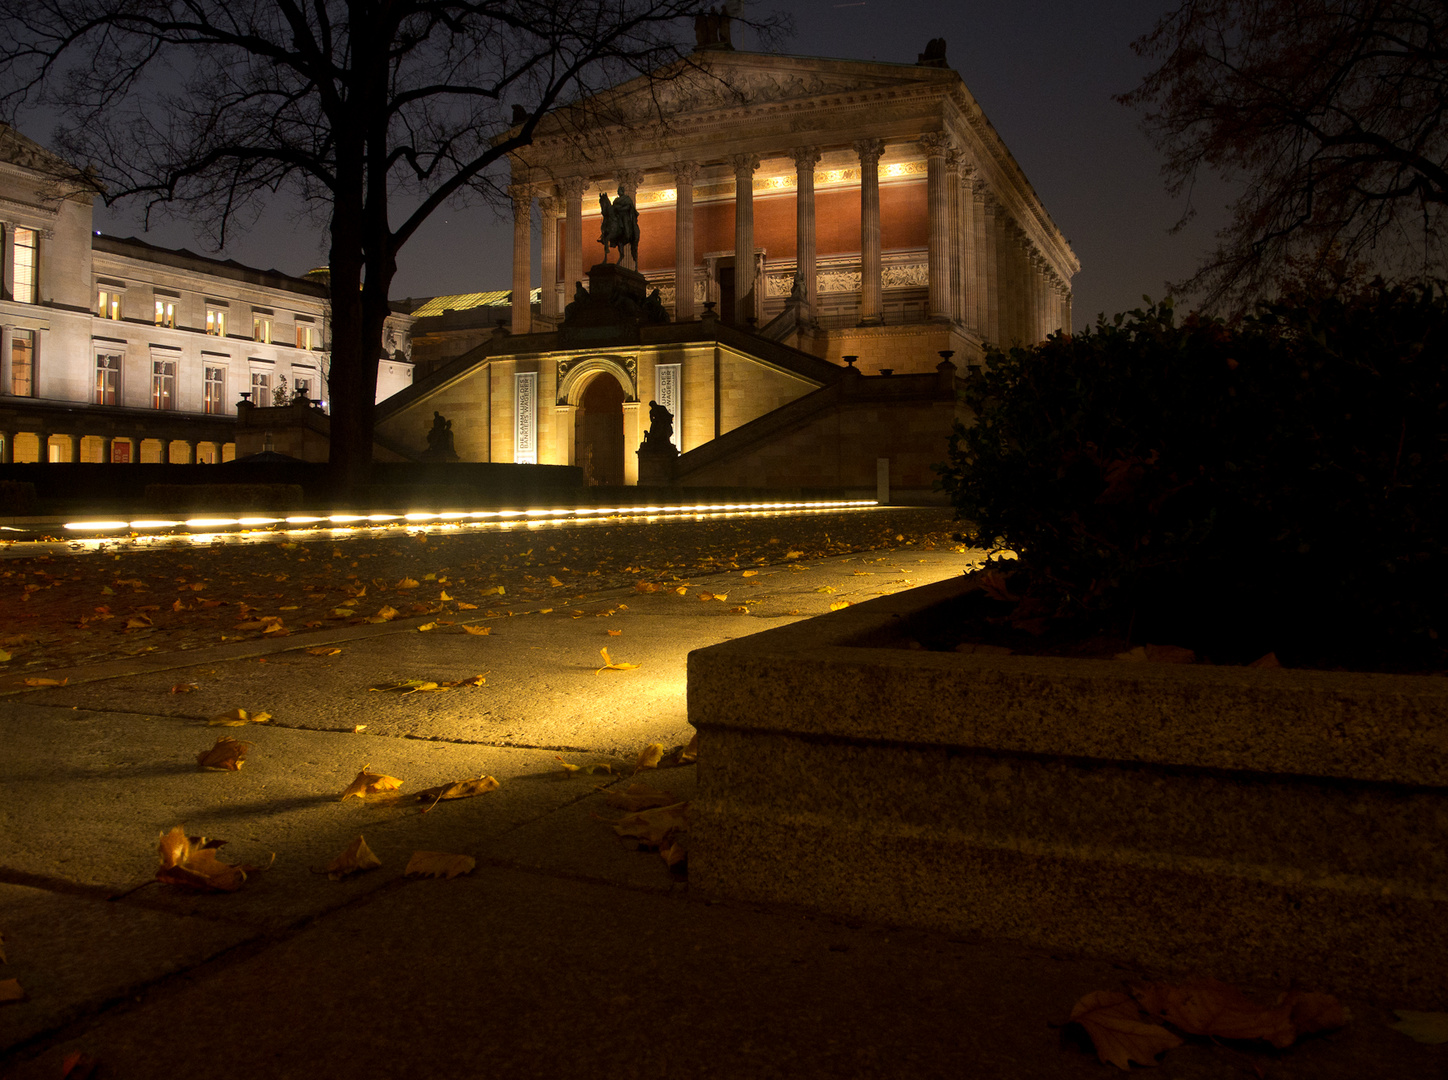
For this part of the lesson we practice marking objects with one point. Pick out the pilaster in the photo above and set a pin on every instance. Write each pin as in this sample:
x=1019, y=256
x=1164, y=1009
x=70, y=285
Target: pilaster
x=522, y=195
x=548, y=226
x=685, y=173
x=805, y=160
x=994, y=246
x=572, y=188
x=937, y=149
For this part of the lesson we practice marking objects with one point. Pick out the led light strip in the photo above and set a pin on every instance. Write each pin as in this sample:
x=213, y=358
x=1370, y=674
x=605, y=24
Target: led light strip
x=338, y=522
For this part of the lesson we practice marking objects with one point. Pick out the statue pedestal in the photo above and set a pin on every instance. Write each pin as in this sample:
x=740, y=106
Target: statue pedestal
x=610, y=282
x=613, y=307
x=657, y=464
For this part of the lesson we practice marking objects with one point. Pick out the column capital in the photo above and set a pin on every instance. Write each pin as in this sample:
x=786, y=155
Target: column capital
x=629, y=180
x=686, y=172
x=955, y=161
x=548, y=206
x=805, y=157
x=744, y=164
x=522, y=196
x=935, y=144
x=573, y=186
x=991, y=203
x=869, y=149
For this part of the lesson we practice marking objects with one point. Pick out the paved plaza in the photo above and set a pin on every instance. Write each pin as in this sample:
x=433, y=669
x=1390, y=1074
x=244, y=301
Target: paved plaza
x=566, y=950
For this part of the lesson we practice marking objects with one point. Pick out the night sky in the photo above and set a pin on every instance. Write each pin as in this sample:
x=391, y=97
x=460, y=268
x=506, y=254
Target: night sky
x=1043, y=70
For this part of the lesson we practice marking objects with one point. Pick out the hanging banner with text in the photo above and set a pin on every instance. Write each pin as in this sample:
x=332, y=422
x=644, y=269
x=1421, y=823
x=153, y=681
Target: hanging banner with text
x=668, y=392
x=525, y=418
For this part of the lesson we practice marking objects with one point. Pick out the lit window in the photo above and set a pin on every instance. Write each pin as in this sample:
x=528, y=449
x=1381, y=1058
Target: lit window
x=163, y=384
x=306, y=337
x=261, y=328
x=215, y=390
x=165, y=312
x=261, y=389
x=22, y=270
x=108, y=379
x=108, y=306
x=22, y=363
x=216, y=321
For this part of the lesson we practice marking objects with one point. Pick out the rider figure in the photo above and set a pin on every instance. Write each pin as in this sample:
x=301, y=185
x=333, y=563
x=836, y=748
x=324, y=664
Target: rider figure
x=620, y=225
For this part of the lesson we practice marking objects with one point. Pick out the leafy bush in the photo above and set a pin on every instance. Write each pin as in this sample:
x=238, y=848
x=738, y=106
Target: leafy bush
x=1277, y=485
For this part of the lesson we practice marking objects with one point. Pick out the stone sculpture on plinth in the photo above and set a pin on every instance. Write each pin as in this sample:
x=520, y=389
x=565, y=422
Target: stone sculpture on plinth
x=440, y=440
x=657, y=453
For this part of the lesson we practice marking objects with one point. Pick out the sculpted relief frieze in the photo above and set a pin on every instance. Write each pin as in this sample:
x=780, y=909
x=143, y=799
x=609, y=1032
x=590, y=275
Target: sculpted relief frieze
x=705, y=92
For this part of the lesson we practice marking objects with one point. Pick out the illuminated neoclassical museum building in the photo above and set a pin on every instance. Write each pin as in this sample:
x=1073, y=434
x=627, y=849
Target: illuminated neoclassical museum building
x=825, y=246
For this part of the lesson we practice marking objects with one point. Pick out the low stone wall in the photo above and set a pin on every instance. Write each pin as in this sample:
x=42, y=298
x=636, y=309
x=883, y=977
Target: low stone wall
x=1267, y=826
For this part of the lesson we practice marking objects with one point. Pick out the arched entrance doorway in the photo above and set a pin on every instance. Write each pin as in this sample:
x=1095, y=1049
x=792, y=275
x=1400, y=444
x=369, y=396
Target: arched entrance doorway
x=598, y=433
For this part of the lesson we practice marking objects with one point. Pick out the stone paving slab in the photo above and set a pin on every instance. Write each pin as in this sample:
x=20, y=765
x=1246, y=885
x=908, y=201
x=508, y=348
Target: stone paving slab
x=73, y=954
x=508, y=973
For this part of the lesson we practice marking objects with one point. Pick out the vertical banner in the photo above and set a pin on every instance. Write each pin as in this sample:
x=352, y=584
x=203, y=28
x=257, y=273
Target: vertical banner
x=525, y=418
x=667, y=385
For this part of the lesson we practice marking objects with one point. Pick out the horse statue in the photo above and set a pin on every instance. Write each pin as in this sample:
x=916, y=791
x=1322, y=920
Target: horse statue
x=620, y=226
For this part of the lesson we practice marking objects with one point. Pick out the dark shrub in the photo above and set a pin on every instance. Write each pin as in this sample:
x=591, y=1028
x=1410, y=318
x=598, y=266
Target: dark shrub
x=1273, y=486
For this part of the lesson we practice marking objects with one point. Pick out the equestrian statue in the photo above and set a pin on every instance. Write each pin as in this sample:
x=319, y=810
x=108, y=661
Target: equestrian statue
x=620, y=226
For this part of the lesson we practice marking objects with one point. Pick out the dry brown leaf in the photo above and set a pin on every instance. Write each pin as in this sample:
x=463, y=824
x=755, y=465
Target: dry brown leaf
x=10, y=990
x=749, y=573
x=343, y=612
x=191, y=862
x=38, y=681
x=654, y=827
x=138, y=622
x=356, y=858
x=839, y=605
x=740, y=610
x=460, y=789
x=370, y=784
x=673, y=852
x=1120, y=1035
x=183, y=688
x=386, y=614
x=407, y=583
x=649, y=757
x=1208, y=1007
x=358, y=729
x=226, y=756
x=1268, y=661
x=1316, y=1012
x=610, y=665
x=645, y=586
x=614, y=633
x=439, y=864
x=496, y=590
x=427, y=626
x=323, y=650
x=238, y=718
x=466, y=607
x=478, y=631
x=682, y=590
x=553, y=581
x=640, y=796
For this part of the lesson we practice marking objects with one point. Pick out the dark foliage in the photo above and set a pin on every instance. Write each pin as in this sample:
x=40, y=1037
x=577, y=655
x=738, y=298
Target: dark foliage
x=1272, y=486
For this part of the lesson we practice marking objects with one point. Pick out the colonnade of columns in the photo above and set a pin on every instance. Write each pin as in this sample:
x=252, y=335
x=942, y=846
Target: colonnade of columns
x=984, y=270
x=69, y=445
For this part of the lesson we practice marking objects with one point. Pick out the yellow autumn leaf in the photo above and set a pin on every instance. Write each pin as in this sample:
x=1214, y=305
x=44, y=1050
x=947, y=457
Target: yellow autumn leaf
x=682, y=590
x=38, y=681
x=839, y=605
x=368, y=783
x=343, y=612
x=459, y=789
x=1114, y=1023
x=478, y=631
x=826, y=589
x=323, y=650
x=749, y=573
x=191, y=862
x=614, y=633
x=467, y=607
x=649, y=757
x=358, y=729
x=386, y=614
x=5, y=657
x=184, y=688
x=496, y=590
x=427, y=626
x=238, y=718
x=553, y=581
x=610, y=665
x=10, y=990
x=740, y=610
x=443, y=596
x=354, y=859
x=439, y=864
x=645, y=586
x=407, y=583
x=138, y=622
x=227, y=755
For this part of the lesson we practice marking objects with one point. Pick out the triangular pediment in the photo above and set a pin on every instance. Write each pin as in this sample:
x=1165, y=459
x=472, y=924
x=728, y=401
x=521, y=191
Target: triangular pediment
x=18, y=149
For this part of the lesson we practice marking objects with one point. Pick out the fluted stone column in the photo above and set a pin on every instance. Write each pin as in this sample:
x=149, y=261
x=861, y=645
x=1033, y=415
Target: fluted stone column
x=572, y=189
x=548, y=226
x=872, y=301
x=190, y=451
x=1066, y=312
x=685, y=173
x=72, y=448
x=993, y=243
x=628, y=183
x=981, y=295
x=522, y=274
x=43, y=452
x=806, y=256
x=107, y=442
x=937, y=148
x=7, y=447
x=165, y=458
x=969, y=265
x=744, y=302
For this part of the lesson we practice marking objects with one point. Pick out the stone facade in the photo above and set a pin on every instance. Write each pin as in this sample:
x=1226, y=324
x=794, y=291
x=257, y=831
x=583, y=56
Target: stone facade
x=119, y=350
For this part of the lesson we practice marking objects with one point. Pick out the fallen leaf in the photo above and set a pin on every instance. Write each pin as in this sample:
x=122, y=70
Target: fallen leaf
x=370, y=784
x=407, y=583
x=356, y=858
x=598, y=769
x=226, y=756
x=78, y=1066
x=443, y=597
x=614, y=633
x=1423, y=1027
x=649, y=757
x=794, y=554
x=467, y=607
x=191, y=862
x=238, y=718
x=439, y=864
x=358, y=729
x=826, y=589
x=840, y=605
x=10, y=990
x=640, y=796
x=496, y=590
x=740, y=610
x=427, y=626
x=1209, y=1007
x=749, y=573
x=1159, y=654
x=673, y=852
x=645, y=586
x=5, y=657
x=323, y=650
x=682, y=590
x=386, y=614
x=138, y=622
x=1113, y=1020
x=1268, y=661
x=684, y=755
x=610, y=665
x=37, y=681
x=460, y=789
x=343, y=612
x=554, y=582
x=184, y=688
x=654, y=827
